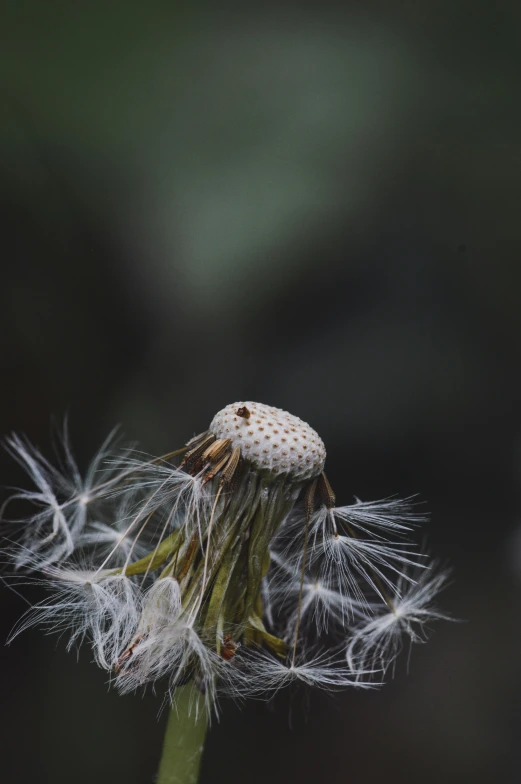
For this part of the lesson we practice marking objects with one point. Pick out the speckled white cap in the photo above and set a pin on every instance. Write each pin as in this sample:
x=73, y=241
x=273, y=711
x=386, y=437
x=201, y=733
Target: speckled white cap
x=271, y=439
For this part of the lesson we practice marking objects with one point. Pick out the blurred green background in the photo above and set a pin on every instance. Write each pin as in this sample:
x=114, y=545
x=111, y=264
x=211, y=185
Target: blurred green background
x=317, y=208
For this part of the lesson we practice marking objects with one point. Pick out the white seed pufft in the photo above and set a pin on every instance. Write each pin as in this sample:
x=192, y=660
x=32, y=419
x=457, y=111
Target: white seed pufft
x=226, y=562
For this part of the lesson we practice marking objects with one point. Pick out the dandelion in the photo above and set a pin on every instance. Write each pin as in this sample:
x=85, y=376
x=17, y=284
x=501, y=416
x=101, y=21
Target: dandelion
x=223, y=568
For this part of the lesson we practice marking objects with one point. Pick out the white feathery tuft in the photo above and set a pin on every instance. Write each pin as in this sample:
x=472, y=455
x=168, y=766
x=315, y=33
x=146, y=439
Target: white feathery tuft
x=377, y=641
x=97, y=606
x=265, y=674
x=64, y=501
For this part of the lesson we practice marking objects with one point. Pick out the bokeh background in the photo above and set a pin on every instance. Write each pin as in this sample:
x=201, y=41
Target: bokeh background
x=316, y=208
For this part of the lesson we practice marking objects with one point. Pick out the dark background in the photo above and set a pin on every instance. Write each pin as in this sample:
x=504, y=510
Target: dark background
x=317, y=209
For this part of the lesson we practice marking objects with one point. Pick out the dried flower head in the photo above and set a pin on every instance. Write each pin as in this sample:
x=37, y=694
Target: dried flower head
x=234, y=569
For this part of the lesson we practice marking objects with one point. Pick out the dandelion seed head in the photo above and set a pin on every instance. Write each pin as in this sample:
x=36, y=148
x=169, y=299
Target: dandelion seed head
x=225, y=562
x=272, y=439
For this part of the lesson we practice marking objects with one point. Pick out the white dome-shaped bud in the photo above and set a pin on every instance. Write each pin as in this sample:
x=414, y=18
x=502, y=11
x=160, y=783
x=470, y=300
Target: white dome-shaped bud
x=271, y=439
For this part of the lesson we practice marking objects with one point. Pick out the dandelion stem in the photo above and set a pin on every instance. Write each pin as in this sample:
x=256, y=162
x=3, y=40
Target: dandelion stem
x=184, y=739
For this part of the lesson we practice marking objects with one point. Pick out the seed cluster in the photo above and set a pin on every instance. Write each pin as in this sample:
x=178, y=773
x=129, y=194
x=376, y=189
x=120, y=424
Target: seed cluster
x=165, y=568
x=271, y=439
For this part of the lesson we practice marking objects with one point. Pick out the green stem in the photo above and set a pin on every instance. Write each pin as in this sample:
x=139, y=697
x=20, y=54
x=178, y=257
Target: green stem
x=184, y=738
